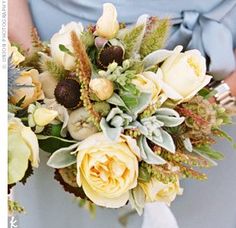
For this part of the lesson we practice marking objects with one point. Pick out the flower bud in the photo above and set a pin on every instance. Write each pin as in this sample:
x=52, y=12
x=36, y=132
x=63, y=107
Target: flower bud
x=102, y=87
x=107, y=25
x=44, y=116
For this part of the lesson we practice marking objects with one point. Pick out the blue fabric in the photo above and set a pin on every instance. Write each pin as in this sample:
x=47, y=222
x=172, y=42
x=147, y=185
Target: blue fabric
x=206, y=25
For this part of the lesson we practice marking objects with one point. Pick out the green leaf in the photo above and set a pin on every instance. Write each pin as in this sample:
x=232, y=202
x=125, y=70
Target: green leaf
x=209, y=151
x=63, y=48
x=156, y=38
x=130, y=100
x=13, y=108
x=117, y=100
x=63, y=158
x=51, y=144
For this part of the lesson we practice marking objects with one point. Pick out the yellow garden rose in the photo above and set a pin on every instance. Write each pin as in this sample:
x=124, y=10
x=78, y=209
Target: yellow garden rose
x=107, y=25
x=147, y=83
x=22, y=147
x=107, y=170
x=183, y=74
x=32, y=90
x=16, y=56
x=158, y=191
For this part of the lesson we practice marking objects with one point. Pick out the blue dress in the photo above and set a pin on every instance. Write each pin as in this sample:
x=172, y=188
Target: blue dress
x=210, y=26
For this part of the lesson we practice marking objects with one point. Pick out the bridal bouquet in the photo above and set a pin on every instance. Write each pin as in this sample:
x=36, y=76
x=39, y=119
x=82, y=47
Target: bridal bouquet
x=123, y=118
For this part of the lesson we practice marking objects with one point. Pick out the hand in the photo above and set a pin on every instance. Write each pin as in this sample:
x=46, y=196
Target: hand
x=20, y=23
x=231, y=81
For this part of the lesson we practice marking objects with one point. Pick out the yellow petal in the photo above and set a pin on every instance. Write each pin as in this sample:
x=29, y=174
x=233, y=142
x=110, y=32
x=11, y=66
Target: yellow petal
x=32, y=142
x=44, y=116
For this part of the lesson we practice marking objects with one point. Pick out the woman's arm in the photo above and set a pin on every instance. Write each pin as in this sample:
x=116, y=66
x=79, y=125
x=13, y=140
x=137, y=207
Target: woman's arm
x=19, y=23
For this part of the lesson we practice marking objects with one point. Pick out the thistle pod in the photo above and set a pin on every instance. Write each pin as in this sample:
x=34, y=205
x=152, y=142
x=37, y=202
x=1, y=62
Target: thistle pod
x=110, y=54
x=67, y=93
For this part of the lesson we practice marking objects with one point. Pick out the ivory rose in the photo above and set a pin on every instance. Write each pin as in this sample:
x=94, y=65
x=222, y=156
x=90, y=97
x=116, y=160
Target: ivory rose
x=147, y=82
x=107, y=25
x=158, y=191
x=107, y=170
x=64, y=37
x=183, y=74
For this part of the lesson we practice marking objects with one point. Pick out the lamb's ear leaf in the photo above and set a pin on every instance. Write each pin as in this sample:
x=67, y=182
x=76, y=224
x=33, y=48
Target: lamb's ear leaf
x=110, y=132
x=137, y=199
x=143, y=101
x=115, y=99
x=167, y=142
x=63, y=157
x=51, y=144
x=147, y=154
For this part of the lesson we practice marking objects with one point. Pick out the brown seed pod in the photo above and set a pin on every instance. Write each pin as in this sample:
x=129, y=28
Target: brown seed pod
x=67, y=179
x=67, y=93
x=110, y=54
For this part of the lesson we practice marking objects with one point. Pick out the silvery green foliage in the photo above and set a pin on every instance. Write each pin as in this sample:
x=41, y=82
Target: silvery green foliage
x=188, y=145
x=147, y=154
x=152, y=129
x=169, y=117
x=63, y=157
x=137, y=199
x=143, y=102
x=114, y=123
x=13, y=74
x=156, y=57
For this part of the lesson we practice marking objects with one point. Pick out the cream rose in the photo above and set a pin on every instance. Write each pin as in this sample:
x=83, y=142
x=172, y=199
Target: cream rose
x=107, y=170
x=147, y=82
x=64, y=37
x=107, y=25
x=22, y=147
x=16, y=56
x=182, y=75
x=31, y=90
x=48, y=83
x=158, y=191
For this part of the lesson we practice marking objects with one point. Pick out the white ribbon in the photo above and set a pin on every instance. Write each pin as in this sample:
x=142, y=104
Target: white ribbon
x=158, y=215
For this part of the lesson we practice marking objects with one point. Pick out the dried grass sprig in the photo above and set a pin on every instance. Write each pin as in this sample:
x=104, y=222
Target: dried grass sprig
x=83, y=72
